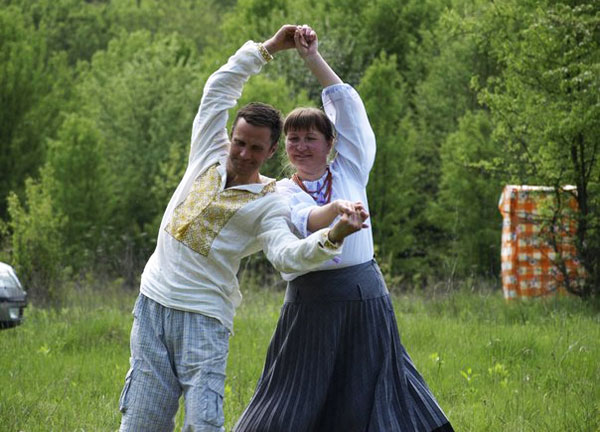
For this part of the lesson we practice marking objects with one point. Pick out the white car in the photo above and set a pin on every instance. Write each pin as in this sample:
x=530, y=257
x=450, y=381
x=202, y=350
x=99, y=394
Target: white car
x=13, y=299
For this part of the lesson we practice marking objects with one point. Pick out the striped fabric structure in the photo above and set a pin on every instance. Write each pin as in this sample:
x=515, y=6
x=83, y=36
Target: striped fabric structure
x=530, y=263
x=336, y=364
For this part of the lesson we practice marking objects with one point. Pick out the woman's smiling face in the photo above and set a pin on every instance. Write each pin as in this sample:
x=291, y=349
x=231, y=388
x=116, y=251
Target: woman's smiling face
x=307, y=150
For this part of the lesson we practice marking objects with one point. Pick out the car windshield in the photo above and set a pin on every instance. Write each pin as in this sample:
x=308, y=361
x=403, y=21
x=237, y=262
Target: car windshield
x=9, y=283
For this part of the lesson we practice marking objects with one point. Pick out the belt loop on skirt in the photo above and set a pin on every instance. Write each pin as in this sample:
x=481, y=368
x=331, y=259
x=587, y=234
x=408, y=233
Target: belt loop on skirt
x=360, y=294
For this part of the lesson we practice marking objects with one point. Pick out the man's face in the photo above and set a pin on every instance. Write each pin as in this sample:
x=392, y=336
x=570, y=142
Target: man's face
x=250, y=148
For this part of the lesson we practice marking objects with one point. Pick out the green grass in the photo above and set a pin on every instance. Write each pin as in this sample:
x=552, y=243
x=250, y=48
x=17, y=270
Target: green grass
x=523, y=366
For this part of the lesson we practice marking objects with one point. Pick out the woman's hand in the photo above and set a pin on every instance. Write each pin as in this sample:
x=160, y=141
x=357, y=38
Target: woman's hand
x=307, y=45
x=306, y=41
x=282, y=40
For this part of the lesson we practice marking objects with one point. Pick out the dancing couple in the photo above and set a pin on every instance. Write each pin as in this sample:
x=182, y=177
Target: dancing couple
x=335, y=362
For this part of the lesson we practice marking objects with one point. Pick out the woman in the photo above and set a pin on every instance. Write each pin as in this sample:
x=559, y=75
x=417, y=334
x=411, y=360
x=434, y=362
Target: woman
x=335, y=362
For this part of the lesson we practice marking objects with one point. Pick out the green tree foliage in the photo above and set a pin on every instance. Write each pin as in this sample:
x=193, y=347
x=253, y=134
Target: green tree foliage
x=31, y=91
x=432, y=70
x=467, y=206
x=460, y=202
x=97, y=100
x=546, y=110
x=194, y=21
x=339, y=20
x=77, y=28
x=78, y=188
x=399, y=28
x=37, y=245
x=352, y=33
x=391, y=188
x=139, y=98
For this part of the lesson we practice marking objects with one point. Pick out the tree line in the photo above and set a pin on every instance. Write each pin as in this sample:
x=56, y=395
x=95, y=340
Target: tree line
x=465, y=96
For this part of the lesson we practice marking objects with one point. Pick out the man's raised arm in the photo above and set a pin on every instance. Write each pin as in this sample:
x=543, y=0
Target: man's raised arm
x=224, y=87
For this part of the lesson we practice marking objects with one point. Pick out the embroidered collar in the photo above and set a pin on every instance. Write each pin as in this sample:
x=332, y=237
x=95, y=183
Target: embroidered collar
x=266, y=185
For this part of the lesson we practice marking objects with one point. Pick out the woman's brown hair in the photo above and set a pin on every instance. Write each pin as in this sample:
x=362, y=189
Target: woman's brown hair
x=309, y=118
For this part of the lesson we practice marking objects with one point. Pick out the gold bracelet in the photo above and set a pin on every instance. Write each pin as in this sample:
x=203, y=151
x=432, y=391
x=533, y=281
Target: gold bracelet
x=328, y=244
x=263, y=52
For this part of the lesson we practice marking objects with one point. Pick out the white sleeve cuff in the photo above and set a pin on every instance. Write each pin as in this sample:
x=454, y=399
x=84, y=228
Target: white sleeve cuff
x=327, y=244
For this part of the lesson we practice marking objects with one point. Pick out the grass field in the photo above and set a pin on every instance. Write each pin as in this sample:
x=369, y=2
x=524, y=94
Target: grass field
x=524, y=366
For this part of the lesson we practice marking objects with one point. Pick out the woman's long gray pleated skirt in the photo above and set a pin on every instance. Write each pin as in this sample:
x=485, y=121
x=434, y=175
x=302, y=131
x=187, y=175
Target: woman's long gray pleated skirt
x=336, y=364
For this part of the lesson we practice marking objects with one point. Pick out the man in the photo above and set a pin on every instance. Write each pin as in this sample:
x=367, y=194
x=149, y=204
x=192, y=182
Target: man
x=222, y=211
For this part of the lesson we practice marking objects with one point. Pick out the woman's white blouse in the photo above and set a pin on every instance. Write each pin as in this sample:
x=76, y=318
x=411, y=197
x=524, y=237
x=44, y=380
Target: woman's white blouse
x=355, y=147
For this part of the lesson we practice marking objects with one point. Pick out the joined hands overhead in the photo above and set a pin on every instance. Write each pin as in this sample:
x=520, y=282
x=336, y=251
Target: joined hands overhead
x=301, y=37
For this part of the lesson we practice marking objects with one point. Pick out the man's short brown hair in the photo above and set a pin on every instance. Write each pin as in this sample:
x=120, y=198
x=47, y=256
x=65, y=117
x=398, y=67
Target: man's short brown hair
x=261, y=115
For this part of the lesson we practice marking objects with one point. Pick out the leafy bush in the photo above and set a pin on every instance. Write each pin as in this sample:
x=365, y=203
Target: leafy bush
x=37, y=242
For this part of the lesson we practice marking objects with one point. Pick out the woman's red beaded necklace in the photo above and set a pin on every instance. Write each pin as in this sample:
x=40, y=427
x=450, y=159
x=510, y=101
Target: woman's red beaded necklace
x=316, y=193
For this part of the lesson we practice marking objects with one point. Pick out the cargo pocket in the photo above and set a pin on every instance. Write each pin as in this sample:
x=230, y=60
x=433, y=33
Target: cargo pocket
x=139, y=303
x=213, y=399
x=124, y=398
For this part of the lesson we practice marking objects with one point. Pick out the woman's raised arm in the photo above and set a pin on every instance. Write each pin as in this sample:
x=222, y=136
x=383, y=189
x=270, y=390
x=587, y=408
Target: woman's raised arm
x=307, y=45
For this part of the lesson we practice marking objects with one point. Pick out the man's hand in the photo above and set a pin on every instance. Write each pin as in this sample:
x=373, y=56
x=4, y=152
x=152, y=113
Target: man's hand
x=282, y=40
x=349, y=223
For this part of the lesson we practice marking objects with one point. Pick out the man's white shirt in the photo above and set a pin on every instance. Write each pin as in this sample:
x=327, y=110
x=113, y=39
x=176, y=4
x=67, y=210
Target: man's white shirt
x=206, y=229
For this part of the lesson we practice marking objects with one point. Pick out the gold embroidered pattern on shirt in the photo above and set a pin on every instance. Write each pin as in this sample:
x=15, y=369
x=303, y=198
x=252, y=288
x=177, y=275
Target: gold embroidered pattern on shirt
x=197, y=221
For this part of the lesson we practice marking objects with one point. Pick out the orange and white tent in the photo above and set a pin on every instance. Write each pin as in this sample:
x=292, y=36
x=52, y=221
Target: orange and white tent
x=535, y=247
